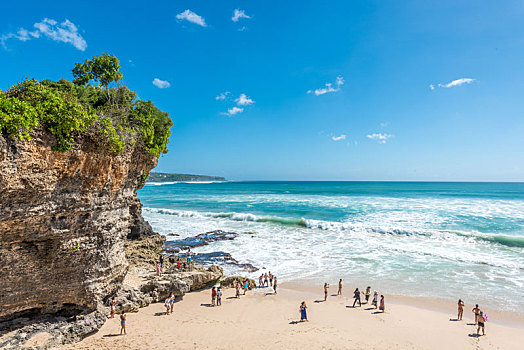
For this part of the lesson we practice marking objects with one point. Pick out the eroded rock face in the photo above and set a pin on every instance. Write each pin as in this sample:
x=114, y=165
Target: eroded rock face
x=64, y=218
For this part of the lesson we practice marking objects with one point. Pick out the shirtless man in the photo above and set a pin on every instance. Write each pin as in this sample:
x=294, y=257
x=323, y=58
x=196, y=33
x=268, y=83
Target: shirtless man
x=481, y=320
x=339, y=287
x=326, y=287
x=476, y=311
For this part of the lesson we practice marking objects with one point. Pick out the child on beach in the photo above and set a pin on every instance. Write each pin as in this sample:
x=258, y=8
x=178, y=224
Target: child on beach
x=213, y=295
x=167, y=305
x=219, y=297
x=382, y=305
x=123, y=323
x=275, y=284
x=326, y=287
x=460, y=309
x=303, y=312
x=113, y=307
x=237, y=287
x=480, y=323
x=172, y=302
x=357, y=297
x=367, y=293
x=375, y=299
x=339, y=292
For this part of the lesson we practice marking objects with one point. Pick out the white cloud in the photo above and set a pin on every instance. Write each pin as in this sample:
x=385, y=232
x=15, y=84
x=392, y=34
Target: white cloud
x=243, y=100
x=222, y=96
x=237, y=14
x=162, y=84
x=381, y=138
x=338, y=138
x=383, y=125
x=65, y=32
x=192, y=17
x=232, y=111
x=329, y=87
x=453, y=83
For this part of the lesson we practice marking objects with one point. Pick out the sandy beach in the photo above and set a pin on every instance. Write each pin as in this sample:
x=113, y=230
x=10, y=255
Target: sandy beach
x=263, y=320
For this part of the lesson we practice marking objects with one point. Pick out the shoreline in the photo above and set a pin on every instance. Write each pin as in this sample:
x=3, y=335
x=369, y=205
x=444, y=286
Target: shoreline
x=261, y=319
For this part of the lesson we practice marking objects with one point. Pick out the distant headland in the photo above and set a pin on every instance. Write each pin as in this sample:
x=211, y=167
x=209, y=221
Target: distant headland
x=166, y=177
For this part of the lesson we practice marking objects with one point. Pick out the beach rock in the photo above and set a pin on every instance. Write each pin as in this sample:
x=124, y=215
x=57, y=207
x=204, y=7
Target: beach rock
x=199, y=240
x=231, y=282
x=64, y=220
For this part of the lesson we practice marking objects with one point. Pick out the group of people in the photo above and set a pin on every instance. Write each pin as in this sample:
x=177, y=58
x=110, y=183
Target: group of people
x=169, y=304
x=480, y=317
x=268, y=280
x=357, y=295
x=216, y=296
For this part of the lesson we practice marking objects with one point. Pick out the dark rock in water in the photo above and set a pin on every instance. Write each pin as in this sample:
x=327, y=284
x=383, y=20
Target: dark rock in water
x=222, y=258
x=200, y=240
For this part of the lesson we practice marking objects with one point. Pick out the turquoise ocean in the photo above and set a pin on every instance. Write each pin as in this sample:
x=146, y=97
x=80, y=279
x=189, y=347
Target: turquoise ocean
x=444, y=240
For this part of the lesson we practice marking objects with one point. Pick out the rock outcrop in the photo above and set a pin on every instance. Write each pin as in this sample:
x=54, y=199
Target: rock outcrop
x=64, y=219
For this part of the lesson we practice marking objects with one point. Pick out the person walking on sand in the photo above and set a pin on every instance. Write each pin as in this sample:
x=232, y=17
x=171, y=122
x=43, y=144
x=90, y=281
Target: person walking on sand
x=167, y=305
x=213, y=295
x=476, y=311
x=382, y=304
x=367, y=293
x=339, y=292
x=480, y=324
x=237, y=287
x=303, y=312
x=219, y=297
x=275, y=284
x=246, y=286
x=113, y=307
x=375, y=299
x=172, y=302
x=123, y=323
x=460, y=309
x=326, y=287
x=357, y=297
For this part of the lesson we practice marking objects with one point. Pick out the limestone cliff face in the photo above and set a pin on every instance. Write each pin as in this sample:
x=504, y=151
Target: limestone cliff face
x=64, y=218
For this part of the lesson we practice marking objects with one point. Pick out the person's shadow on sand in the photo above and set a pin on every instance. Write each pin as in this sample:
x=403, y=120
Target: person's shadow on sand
x=295, y=322
x=319, y=301
x=377, y=312
x=474, y=335
x=160, y=313
x=112, y=335
x=471, y=324
x=207, y=305
x=270, y=294
x=454, y=319
x=232, y=298
x=369, y=308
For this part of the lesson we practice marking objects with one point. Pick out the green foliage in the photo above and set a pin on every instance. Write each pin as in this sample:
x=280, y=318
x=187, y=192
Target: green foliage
x=113, y=118
x=102, y=69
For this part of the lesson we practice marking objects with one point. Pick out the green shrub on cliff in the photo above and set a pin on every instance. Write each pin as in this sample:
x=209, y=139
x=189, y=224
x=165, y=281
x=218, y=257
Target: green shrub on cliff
x=113, y=117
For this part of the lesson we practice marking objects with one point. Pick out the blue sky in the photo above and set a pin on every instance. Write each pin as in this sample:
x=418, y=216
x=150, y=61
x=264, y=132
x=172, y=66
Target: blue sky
x=379, y=119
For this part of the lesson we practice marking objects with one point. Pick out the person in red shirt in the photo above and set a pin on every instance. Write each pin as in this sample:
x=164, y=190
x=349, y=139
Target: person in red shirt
x=213, y=295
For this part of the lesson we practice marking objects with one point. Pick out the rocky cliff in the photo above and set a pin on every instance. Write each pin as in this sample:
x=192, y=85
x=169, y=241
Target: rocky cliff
x=64, y=218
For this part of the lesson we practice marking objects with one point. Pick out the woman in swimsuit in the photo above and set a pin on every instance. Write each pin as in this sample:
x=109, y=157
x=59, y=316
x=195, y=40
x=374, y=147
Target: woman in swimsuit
x=303, y=312
x=375, y=299
x=113, y=307
x=480, y=323
x=339, y=292
x=123, y=323
x=326, y=286
x=460, y=309
x=275, y=284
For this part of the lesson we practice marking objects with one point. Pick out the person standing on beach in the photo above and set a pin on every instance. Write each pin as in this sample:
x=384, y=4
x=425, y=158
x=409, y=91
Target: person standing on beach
x=219, y=297
x=367, y=293
x=158, y=269
x=476, y=311
x=246, y=286
x=326, y=287
x=460, y=309
x=339, y=292
x=266, y=280
x=161, y=260
x=237, y=287
x=480, y=323
x=375, y=299
x=270, y=279
x=261, y=281
x=357, y=297
x=113, y=307
x=213, y=295
x=167, y=305
x=275, y=285
x=123, y=323
x=382, y=304
x=303, y=312
x=172, y=302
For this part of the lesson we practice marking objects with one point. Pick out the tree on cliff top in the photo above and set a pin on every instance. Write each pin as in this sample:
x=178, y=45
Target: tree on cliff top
x=112, y=117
